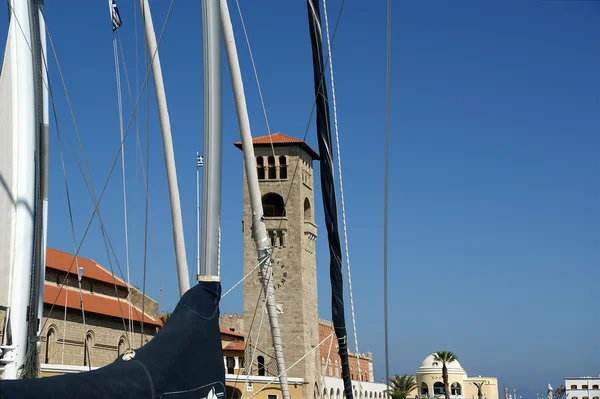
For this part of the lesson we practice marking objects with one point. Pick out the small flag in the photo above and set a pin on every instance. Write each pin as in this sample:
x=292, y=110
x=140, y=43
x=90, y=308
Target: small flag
x=200, y=160
x=115, y=16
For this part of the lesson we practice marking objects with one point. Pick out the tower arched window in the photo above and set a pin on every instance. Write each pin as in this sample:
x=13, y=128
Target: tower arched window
x=456, y=389
x=307, y=210
x=87, y=348
x=424, y=389
x=282, y=167
x=438, y=388
x=260, y=168
x=272, y=168
x=273, y=205
x=50, y=343
x=230, y=365
x=261, y=365
x=121, y=347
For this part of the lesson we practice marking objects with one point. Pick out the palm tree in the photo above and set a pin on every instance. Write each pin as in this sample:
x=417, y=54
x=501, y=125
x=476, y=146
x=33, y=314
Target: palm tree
x=445, y=357
x=559, y=392
x=402, y=386
x=164, y=318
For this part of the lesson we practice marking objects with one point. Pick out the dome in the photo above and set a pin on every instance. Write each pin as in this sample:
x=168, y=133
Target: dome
x=430, y=366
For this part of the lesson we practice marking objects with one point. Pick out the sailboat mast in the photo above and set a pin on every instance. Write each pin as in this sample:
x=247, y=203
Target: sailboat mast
x=44, y=153
x=259, y=229
x=21, y=134
x=199, y=164
x=165, y=127
x=211, y=178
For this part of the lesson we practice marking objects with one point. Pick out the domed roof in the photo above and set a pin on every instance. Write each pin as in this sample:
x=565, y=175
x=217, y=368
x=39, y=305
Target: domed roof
x=431, y=366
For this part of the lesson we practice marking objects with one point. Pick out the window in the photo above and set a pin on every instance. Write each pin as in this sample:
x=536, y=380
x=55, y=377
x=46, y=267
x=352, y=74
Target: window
x=87, y=348
x=273, y=205
x=261, y=365
x=307, y=210
x=121, y=347
x=573, y=386
x=230, y=365
x=282, y=167
x=50, y=340
x=585, y=397
x=271, y=396
x=272, y=169
x=438, y=388
x=594, y=386
x=424, y=389
x=456, y=389
x=260, y=168
x=596, y=397
x=584, y=387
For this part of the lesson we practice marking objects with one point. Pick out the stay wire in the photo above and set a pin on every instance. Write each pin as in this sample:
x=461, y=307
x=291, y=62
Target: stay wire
x=386, y=185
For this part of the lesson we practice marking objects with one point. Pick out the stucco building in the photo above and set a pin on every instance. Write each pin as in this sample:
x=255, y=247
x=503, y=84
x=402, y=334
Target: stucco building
x=582, y=387
x=430, y=383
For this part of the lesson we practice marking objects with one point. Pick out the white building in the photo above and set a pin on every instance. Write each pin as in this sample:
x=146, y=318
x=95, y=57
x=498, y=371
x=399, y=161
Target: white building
x=582, y=388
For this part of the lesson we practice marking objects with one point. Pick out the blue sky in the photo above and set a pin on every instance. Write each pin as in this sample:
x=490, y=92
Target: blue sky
x=494, y=181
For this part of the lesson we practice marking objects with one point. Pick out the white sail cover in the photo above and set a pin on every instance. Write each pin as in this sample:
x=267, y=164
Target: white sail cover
x=17, y=162
x=7, y=170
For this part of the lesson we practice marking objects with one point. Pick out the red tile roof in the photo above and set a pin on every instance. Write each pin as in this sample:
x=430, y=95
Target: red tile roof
x=225, y=331
x=62, y=261
x=279, y=139
x=93, y=303
x=234, y=346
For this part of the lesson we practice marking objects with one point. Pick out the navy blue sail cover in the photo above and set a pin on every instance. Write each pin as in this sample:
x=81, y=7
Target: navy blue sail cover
x=328, y=193
x=184, y=360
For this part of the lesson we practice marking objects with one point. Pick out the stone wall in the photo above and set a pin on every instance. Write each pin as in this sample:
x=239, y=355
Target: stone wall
x=333, y=368
x=103, y=333
x=232, y=322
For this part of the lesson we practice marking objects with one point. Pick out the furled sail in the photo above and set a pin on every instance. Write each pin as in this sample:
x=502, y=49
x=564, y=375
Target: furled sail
x=17, y=186
x=328, y=192
x=184, y=360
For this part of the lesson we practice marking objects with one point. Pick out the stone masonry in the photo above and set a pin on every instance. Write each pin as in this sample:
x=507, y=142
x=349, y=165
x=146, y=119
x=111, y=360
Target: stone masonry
x=293, y=238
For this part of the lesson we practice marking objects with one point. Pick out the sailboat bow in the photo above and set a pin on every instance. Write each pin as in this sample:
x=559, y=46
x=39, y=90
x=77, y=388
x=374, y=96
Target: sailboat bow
x=184, y=360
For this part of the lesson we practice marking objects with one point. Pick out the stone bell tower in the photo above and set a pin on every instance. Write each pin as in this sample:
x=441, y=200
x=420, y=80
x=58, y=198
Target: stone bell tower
x=285, y=173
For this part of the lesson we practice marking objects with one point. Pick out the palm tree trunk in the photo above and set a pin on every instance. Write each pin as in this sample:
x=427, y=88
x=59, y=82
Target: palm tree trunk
x=445, y=378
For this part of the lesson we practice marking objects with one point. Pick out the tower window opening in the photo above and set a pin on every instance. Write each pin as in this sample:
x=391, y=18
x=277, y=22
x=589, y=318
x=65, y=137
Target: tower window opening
x=272, y=168
x=260, y=168
x=261, y=365
x=282, y=167
x=273, y=205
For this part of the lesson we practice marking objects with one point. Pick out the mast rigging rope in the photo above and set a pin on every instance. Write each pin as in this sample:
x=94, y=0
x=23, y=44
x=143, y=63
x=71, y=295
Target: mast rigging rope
x=385, y=183
x=343, y=203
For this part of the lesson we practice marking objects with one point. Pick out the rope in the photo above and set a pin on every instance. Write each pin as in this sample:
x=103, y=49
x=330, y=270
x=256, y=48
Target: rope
x=324, y=372
x=120, y=106
x=244, y=278
x=385, y=185
x=292, y=366
x=339, y=158
x=88, y=186
x=260, y=94
x=96, y=204
x=253, y=353
x=147, y=183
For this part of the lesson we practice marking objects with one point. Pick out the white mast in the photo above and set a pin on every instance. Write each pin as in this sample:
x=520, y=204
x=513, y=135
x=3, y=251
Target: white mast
x=17, y=94
x=199, y=164
x=211, y=180
x=45, y=143
x=165, y=127
x=258, y=225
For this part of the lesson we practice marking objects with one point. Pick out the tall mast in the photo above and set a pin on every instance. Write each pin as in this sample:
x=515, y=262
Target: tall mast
x=199, y=164
x=165, y=127
x=328, y=193
x=44, y=153
x=259, y=229
x=17, y=89
x=211, y=179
